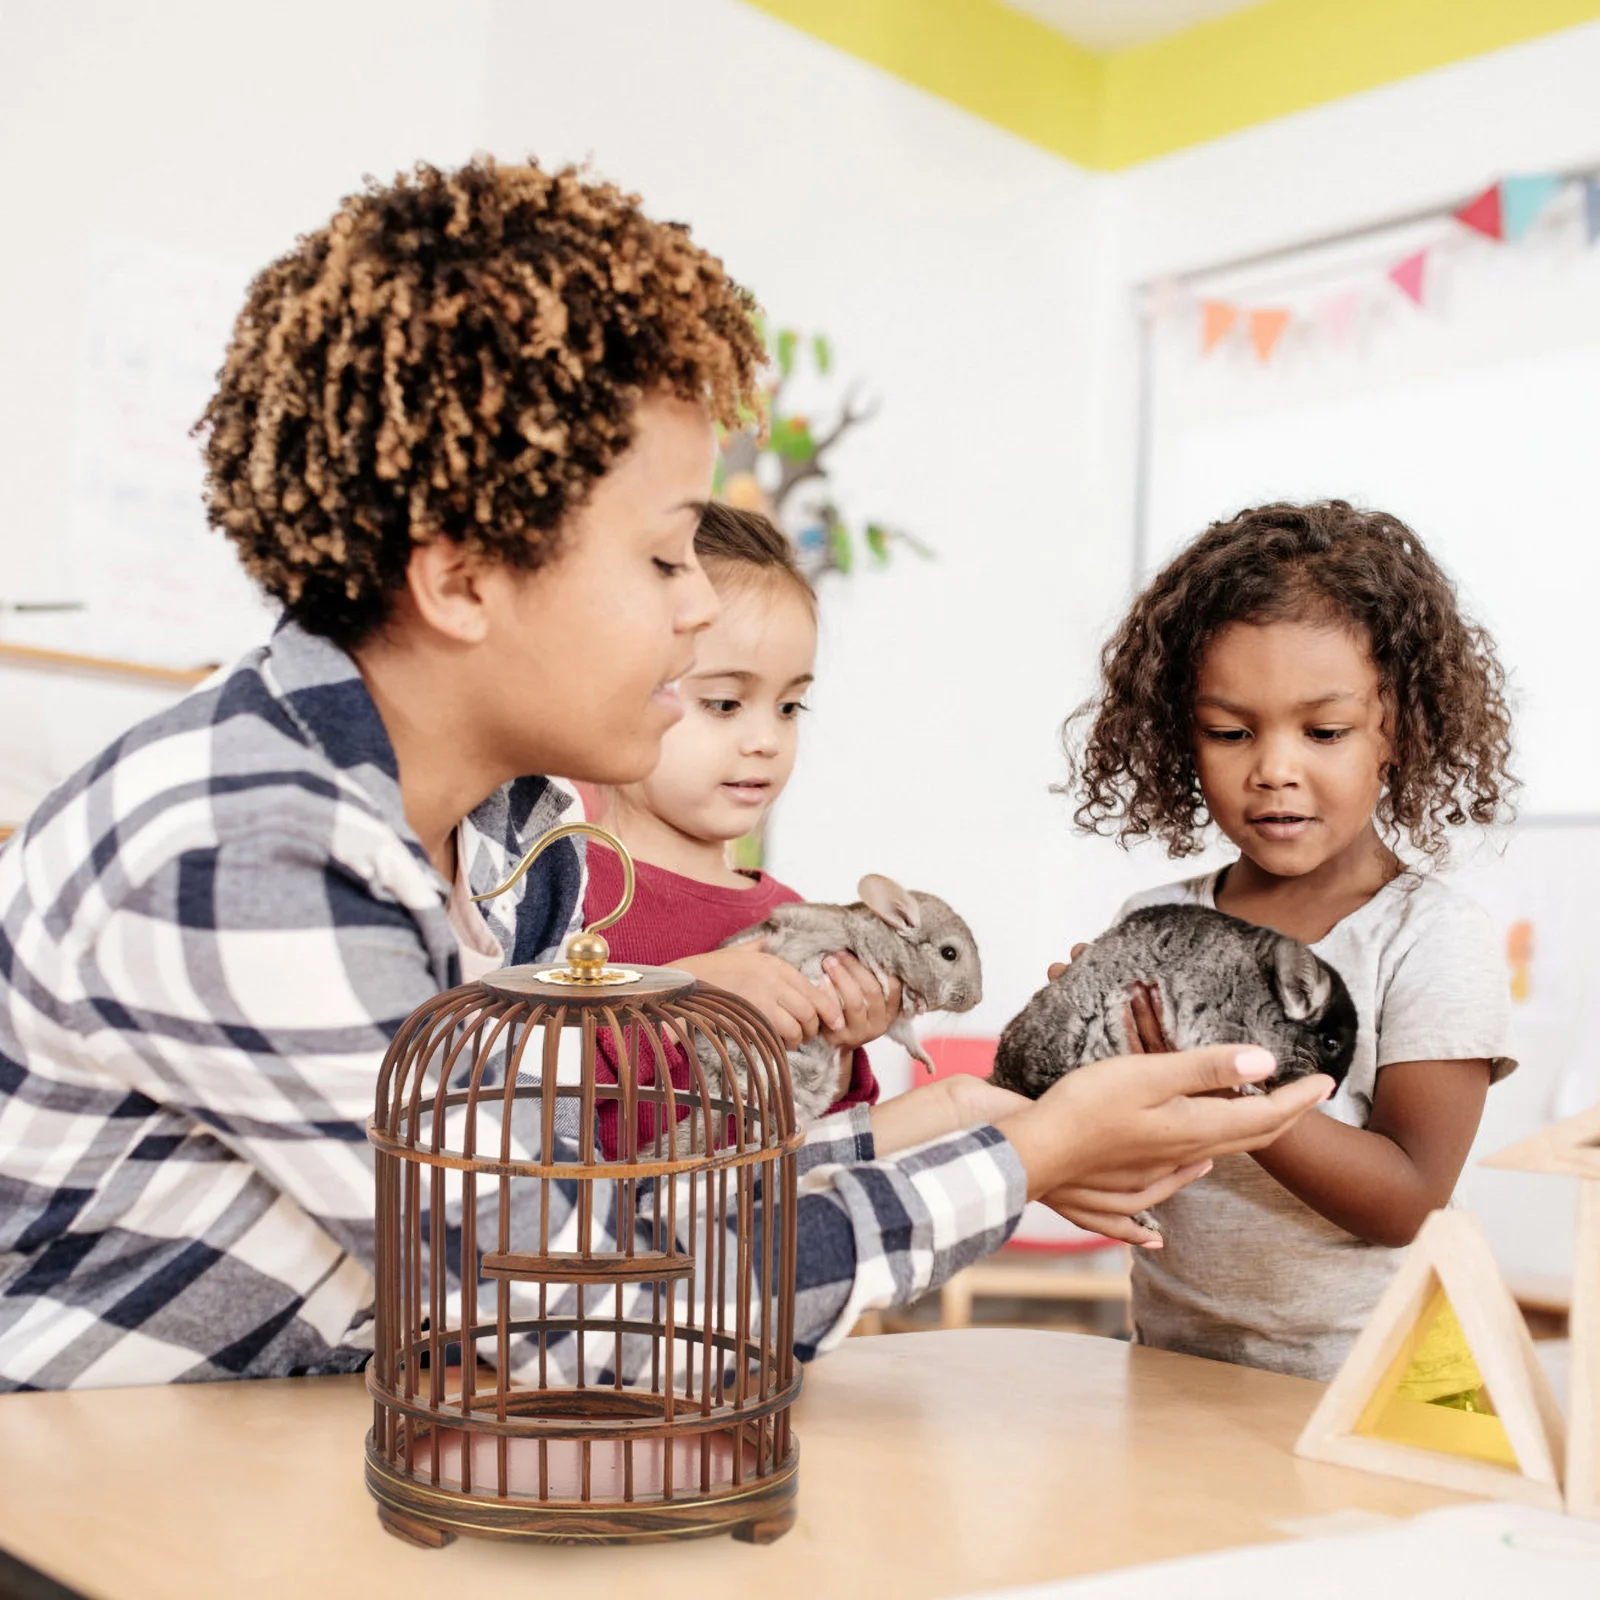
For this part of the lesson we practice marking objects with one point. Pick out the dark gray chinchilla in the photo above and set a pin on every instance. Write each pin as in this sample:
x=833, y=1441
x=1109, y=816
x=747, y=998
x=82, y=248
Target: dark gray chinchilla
x=1221, y=981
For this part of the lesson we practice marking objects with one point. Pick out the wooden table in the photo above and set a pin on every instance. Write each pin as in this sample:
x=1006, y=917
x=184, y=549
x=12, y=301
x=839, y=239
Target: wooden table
x=931, y=1464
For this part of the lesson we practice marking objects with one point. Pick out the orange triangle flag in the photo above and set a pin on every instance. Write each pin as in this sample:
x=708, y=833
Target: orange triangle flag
x=1217, y=320
x=1266, y=329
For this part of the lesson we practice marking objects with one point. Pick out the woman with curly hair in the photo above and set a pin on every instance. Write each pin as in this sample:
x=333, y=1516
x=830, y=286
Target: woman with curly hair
x=1303, y=678
x=463, y=435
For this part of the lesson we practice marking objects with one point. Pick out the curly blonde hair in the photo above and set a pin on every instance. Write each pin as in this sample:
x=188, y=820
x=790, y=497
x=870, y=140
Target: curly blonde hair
x=1131, y=747
x=455, y=354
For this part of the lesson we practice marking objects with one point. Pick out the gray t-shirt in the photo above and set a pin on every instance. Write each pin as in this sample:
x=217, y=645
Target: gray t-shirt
x=1251, y=1274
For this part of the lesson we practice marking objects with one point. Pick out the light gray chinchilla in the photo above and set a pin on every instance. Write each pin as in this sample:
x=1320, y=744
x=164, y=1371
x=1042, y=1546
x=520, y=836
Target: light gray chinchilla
x=893, y=933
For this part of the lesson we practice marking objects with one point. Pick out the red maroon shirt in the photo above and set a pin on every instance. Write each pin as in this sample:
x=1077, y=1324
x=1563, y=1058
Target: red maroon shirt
x=672, y=917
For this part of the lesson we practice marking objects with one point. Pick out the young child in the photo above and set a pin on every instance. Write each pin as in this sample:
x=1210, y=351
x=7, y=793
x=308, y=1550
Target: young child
x=721, y=771
x=1302, y=677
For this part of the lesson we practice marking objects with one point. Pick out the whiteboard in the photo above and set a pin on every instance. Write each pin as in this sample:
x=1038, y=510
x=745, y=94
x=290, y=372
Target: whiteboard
x=1474, y=419
x=153, y=584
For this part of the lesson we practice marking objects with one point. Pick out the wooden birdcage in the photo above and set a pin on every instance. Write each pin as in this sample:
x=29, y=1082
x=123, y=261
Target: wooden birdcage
x=540, y=1375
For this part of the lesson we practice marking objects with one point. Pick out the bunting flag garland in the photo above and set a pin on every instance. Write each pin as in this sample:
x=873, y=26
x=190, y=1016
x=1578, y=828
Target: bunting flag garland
x=1506, y=211
x=1337, y=313
x=1483, y=213
x=1218, y=318
x=1521, y=201
x=1266, y=329
x=1407, y=275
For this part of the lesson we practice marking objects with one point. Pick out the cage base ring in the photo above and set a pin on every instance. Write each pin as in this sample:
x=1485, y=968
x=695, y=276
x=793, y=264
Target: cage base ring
x=418, y=1513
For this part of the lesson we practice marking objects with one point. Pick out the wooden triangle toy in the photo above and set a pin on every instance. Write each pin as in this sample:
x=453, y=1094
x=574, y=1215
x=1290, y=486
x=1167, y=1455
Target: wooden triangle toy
x=1571, y=1148
x=1443, y=1385
x=1583, y=1437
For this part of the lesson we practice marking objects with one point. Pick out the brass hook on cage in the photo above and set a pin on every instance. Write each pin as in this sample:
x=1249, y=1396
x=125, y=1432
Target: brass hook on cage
x=586, y=953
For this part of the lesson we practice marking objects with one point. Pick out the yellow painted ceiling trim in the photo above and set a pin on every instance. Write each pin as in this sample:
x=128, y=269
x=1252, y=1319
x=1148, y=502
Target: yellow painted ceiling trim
x=1000, y=64
x=1111, y=111
x=1284, y=56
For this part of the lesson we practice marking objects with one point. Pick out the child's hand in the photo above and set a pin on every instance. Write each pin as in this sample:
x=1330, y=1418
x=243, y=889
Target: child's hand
x=796, y=1009
x=868, y=1011
x=1056, y=968
x=1144, y=1027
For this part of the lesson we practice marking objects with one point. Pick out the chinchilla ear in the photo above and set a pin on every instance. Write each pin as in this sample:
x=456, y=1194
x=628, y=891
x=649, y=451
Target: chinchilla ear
x=1303, y=984
x=888, y=900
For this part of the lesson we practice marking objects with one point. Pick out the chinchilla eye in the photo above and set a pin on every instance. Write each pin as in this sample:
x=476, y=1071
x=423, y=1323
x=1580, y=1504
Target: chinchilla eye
x=949, y=952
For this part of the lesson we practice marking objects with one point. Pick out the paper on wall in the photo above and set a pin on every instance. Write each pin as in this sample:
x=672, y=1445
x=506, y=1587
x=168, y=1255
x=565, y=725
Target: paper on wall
x=157, y=584
x=1477, y=1552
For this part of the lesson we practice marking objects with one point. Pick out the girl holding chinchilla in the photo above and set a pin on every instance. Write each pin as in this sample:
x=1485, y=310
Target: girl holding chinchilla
x=1303, y=677
x=721, y=770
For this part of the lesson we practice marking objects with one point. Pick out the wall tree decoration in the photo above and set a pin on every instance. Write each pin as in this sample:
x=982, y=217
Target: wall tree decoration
x=783, y=468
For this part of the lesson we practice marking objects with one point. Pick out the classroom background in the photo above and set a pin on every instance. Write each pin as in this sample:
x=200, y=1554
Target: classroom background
x=1198, y=254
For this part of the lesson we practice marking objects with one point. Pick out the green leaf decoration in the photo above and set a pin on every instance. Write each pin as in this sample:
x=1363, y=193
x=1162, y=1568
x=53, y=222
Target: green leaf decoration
x=877, y=541
x=844, y=555
x=822, y=352
x=787, y=340
x=790, y=439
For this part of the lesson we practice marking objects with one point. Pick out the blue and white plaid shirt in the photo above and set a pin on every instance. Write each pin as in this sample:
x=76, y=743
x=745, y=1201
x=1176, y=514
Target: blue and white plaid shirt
x=207, y=938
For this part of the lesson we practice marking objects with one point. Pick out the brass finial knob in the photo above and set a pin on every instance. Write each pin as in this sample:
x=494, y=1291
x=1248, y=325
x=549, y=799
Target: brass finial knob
x=586, y=953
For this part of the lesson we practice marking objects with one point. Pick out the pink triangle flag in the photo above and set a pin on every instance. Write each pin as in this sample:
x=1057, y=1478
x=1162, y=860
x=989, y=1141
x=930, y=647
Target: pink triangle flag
x=1337, y=313
x=1406, y=275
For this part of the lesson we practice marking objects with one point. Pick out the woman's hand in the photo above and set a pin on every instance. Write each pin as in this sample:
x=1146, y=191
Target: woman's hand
x=796, y=1009
x=1111, y=1212
x=1105, y=1211
x=1127, y=1126
x=963, y=1101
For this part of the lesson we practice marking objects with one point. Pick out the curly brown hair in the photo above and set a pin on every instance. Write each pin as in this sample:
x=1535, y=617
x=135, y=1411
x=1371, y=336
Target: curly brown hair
x=460, y=354
x=1447, y=721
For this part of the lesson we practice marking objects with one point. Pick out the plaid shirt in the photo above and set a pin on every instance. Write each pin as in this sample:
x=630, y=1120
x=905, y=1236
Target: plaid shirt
x=207, y=938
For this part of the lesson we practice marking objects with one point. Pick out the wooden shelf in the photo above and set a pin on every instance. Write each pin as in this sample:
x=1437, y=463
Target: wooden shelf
x=27, y=655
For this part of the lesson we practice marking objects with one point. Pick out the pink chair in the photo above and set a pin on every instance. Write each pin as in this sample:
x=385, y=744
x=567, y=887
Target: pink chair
x=1033, y=1267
